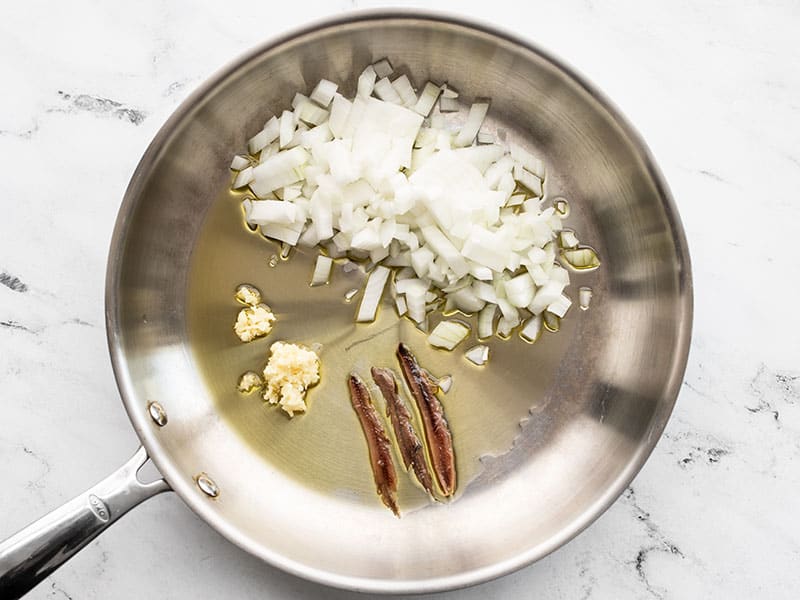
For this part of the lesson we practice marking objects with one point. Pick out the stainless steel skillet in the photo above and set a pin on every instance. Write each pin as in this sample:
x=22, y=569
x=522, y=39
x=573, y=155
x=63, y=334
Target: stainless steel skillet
x=560, y=427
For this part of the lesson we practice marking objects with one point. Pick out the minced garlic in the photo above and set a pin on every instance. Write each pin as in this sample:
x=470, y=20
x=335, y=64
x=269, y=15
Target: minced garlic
x=248, y=295
x=254, y=322
x=289, y=372
x=249, y=382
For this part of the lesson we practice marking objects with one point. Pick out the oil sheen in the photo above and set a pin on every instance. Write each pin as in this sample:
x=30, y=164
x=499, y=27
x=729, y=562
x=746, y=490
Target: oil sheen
x=325, y=448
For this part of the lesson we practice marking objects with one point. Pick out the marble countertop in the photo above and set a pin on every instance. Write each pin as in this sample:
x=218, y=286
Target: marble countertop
x=712, y=86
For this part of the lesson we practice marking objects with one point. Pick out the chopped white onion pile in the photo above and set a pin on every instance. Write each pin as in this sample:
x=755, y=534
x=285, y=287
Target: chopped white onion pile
x=389, y=178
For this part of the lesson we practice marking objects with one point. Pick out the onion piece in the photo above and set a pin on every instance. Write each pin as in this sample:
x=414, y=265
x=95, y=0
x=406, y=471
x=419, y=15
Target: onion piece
x=478, y=355
x=322, y=270
x=279, y=170
x=516, y=200
x=447, y=104
x=386, y=92
x=383, y=68
x=286, y=128
x=448, y=334
x=310, y=113
x=560, y=307
x=568, y=239
x=584, y=297
x=445, y=383
x=486, y=321
x=445, y=248
x=373, y=291
x=545, y=296
x=485, y=138
x=324, y=92
x=366, y=81
x=519, y=290
x=532, y=329
x=427, y=99
x=477, y=113
x=298, y=100
x=527, y=160
x=448, y=92
x=400, y=304
x=243, y=178
x=283, y=233
x=505, y=326
x=340, y=110
x=239, y=163
x=528, y=179
x=464, y=300
x=581, y=258
x=264, y=212
x=405, y=90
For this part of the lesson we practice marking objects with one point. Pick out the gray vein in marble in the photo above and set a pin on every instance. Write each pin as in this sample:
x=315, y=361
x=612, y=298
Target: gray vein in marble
x=771, y=388
x=101, y=106
x=12, y=282
x=16, y=326
x=37, y=484
x=588, y=580
x=658, y=542
x=714, y=176
x=58, y=592
x=24, y=135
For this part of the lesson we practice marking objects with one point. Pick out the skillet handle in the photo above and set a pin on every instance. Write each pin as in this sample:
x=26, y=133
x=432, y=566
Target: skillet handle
x=32, y=554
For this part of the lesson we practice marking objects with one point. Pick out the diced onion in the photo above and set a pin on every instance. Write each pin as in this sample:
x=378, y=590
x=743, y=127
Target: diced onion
x=283, y=233
x=243, y=178
x=528, y=179
x=448, y=334
x=373, y=291
x=386, y=91
x=448, y=92
x=322, y=270
x=584, y=297
x=568, y=239
x=445, y=383
x=286, y=128
x=383, y=68
x=427, y=99
x=520, y=290
x=486, y=321
x=478, y=355
x=560, y=307
x=447, y=104
x=239, y=163
x=532, y=329
x=527, y=160
x=366, y=81
x=388, y=179
x=405, y=90
x=477, y=112
x=324, y=92
x=400, y=304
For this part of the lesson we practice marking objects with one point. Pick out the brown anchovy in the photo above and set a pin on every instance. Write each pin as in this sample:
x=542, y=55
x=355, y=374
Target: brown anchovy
x=380, y=454
x=437, y=432
x=410, y=446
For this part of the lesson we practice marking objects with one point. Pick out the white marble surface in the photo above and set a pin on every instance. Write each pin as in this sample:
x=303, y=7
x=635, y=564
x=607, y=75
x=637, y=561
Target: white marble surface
x=712, y=86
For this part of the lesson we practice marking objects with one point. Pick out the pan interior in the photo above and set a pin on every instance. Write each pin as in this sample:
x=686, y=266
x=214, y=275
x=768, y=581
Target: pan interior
x=545, y=435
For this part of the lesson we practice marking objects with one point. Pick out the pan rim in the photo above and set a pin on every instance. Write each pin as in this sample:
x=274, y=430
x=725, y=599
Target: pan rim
x=178, y=481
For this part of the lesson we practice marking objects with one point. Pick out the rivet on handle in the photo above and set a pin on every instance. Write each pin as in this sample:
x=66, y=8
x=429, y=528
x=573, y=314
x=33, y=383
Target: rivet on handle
x=157, y=413
x=207, y=485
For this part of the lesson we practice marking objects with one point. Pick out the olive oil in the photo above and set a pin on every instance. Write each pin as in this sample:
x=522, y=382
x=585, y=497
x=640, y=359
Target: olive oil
x=325, y=448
